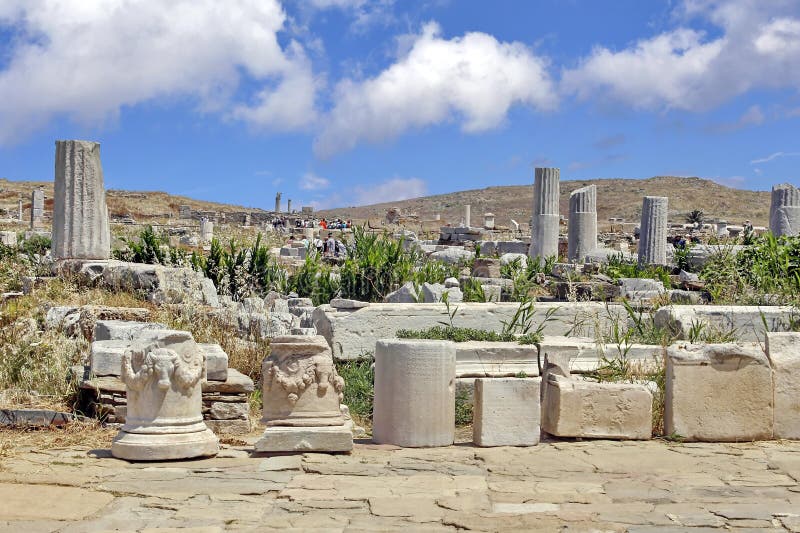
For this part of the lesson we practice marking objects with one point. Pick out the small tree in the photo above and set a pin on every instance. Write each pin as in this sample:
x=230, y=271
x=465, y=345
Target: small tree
x=695, y=217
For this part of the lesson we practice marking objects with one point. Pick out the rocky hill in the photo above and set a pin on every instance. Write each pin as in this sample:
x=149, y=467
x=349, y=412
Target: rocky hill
x=616, y=198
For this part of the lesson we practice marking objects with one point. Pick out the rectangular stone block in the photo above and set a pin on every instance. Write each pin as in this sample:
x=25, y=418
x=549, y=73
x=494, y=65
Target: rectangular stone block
x=236, y=383
x=216, y=362
x=228, y=427
x=105, y=357
x=506, y=412
x=718, y=393
x=783, y=350
x=107, y=330
x=496, y=359
x=306, y=439
x=746, y=321
x=574, y=408
x=229, y=411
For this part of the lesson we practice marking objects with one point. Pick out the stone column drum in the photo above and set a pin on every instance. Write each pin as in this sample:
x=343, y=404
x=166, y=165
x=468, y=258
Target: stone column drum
x=784, y=210
x=414, y=393
x=80, y=215
x=164, y=417
x=653, y=231
x=37, y=207
x=582, y=223
x=302, y=394
x=206, y=230
x=544, y=234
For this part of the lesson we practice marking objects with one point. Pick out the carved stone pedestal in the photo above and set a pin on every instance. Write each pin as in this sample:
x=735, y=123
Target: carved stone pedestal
x=302, y=394
x=164, y=414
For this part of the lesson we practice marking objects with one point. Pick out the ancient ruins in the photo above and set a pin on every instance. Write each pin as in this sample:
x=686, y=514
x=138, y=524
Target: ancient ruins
x=561, y=339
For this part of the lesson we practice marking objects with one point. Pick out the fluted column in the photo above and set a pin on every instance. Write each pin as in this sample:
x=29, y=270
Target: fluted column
x=544, y=233
x=784, y=210
x=582, y=223
x=653, y=231
x=80, y=215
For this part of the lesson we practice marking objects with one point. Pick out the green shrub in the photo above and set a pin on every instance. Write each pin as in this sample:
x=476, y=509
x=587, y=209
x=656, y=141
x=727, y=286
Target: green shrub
x=359, y=391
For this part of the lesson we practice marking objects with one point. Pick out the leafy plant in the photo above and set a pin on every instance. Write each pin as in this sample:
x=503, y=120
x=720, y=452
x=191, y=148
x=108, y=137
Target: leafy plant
x=695, y=217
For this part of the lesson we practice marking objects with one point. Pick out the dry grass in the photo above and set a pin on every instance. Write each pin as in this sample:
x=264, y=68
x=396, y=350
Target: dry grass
x=84, y=434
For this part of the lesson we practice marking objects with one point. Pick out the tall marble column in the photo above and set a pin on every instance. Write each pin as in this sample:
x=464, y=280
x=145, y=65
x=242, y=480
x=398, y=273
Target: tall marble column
x=544, y=233
x=582, y=223
x=278, y=203
x=653, y=231
x=467, y=215
x=80, y=215
x=19, y=209
x=784, y=210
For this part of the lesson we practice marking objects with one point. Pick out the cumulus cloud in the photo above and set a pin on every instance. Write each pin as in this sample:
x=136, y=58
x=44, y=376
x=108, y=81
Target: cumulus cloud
x=312, y=182
x=756, y=47
x=474, y=79
x=390, y=191
x=87, y=60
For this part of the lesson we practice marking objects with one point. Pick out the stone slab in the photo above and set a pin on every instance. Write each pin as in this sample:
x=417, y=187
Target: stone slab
x=216, y=362
x=745, y=321
x=228, y=427
x=107, y=330
x=718, y=392
x=506, y=412
x=495, y=359
x=352, y=334
x=574, y=408
x=306, y=439
x=34, y=418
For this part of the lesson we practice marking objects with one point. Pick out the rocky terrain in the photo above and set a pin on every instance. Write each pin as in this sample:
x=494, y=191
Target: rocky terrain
x=617, y=198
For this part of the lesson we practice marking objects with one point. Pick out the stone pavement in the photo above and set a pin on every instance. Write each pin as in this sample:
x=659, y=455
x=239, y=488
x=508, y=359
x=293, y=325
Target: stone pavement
x=581, y=486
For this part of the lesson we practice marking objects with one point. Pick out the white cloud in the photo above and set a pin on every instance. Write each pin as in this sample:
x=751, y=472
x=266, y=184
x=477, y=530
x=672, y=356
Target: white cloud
x=753, y=116
x=686, y=69
x=312, y=182
x=474, y=79
x=88, y=60
x=774, y=156
x=390, y=191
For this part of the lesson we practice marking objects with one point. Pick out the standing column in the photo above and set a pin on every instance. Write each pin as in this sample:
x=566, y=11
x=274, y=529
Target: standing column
x=278, y=203
x=19, y=209
x=582, y=223
x=37, y=207
x=206, y=230
x=784, y=210
x=544, y=233
x=289, y=206
x=80, y=215
x=653, y=231
x=467, y=215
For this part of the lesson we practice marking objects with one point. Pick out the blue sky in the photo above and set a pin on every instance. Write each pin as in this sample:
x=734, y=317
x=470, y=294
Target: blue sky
x=346, y=102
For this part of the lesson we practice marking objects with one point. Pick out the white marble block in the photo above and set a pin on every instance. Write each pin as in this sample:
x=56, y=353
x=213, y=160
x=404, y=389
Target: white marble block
x=575, y=408
x=783, y=350
x=302, y=395
x=414, y=393
x=718, y=393
x=164, y=402
x=506, y=412
x=80, y=215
